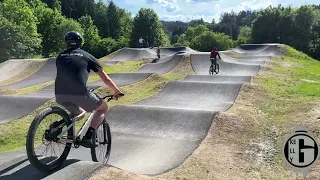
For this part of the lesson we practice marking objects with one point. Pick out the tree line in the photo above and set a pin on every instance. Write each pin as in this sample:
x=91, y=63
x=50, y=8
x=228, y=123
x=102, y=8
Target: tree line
x=30, y=28
x=297, y=27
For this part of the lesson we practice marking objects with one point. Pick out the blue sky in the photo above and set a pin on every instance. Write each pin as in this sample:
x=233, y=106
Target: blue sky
x=186, y=10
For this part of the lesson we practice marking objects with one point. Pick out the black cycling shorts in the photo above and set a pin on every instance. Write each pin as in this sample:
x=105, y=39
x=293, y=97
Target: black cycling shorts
x=88, y=102
x=213, y=60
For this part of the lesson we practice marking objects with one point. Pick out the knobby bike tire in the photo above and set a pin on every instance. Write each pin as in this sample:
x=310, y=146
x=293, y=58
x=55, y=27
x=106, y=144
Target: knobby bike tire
x=30, y=140
x=217, y=69
x=107, y=137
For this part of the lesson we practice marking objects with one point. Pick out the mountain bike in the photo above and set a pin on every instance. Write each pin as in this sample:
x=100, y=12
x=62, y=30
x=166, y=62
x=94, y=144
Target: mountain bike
x=214, y=70
x=62, y=132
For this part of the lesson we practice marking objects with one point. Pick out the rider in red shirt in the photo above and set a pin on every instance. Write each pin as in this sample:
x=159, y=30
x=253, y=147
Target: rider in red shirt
x=213, y=56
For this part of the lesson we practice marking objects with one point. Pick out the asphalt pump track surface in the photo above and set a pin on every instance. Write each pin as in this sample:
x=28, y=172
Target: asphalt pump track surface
x=129, y=54
x=158, y=133
x=13, y=107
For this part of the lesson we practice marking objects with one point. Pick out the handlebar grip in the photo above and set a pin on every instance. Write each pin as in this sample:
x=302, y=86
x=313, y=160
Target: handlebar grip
x=112, y=97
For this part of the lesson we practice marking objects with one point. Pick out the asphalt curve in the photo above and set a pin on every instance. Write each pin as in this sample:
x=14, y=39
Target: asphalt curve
x=14, y=67
x=158, y=133
x=46, y=73
x=130, y=54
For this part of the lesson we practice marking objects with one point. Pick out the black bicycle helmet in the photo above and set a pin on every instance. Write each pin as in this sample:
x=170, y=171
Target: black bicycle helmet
x=73, y=39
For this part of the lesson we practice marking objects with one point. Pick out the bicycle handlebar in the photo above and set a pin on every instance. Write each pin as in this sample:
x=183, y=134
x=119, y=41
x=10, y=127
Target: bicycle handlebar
x=110, y=97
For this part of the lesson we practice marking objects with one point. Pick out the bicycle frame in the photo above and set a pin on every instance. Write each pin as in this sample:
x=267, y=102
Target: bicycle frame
x=84, y=127
x=82, y=131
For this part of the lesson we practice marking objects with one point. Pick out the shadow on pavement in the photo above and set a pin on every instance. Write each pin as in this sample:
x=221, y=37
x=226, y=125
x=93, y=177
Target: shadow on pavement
x=29, y=171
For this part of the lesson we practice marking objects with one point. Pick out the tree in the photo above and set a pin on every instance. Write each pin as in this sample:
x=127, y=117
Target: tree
x=207, y=40
x=18, y=28
x=244, y=35
x=146, y=24
x=113, y=21
x=262, y=33
x=52, y=26
x=77, y=8
x=305, y=19
x=182, y=41
x=106, y=46
x=100, y=19
x=192, y=32
x=53, y=4
x=126, y=23
x=196, y=22
x=91, y=34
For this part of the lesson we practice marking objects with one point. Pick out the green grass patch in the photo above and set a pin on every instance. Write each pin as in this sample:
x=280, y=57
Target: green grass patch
x=285, y=94
x=294, y=74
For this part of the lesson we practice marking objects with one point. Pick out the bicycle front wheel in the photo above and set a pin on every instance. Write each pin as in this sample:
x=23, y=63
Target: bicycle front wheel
x=211, y=70
x=102, y=137
x=44, y=149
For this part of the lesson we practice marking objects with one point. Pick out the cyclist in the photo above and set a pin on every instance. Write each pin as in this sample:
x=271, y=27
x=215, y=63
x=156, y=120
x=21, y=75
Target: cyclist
x=140, y=42
x=73, y=68
x=213, y=57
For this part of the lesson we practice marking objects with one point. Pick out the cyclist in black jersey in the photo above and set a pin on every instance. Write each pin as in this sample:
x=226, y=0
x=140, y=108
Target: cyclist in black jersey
x=73, y=68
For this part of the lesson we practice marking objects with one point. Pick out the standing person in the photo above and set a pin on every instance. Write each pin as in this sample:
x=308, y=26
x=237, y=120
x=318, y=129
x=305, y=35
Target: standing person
x=140, y=42
x=73, y=68
x=158, y=52
x=213, y=57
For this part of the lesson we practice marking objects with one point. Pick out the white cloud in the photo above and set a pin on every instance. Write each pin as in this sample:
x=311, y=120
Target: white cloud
x=185, y=18
x=199, y=1
x=168, y=6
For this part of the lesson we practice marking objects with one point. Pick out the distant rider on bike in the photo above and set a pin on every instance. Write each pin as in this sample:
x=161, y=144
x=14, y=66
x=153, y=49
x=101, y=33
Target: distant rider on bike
x=73, y=68
x=213, y=57
x=158, y=52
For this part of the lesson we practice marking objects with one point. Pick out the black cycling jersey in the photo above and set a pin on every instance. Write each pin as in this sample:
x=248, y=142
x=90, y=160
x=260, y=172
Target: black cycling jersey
x=73, y=68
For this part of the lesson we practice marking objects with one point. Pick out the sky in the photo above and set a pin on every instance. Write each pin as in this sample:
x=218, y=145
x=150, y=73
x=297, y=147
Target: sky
x=186, y=10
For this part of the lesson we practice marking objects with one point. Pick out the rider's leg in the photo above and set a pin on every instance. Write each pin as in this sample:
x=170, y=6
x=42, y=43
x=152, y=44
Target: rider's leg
x=215, y=64
x=98, y=116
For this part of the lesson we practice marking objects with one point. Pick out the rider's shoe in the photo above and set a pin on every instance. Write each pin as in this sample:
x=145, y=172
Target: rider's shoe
x=85, y=142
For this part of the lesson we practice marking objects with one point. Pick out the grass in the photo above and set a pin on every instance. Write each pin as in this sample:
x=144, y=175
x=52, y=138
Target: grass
x=281, y=100
x=26, y=90
x=13, y=134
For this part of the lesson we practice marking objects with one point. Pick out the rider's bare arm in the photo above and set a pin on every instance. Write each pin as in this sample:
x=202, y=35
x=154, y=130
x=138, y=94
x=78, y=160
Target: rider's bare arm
x=219, y=56
x=108, y=81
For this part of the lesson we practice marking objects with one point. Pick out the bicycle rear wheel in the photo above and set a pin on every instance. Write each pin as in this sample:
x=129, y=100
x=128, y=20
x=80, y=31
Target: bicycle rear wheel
x=57, y=119
x=102, y=137
x=217, y=69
